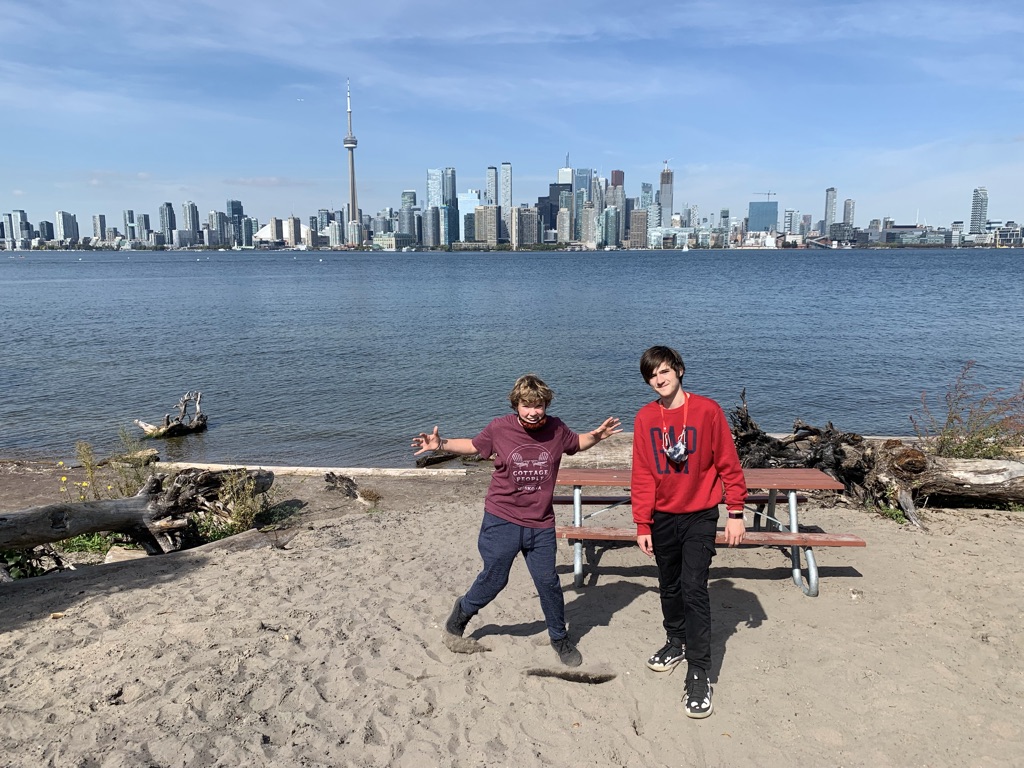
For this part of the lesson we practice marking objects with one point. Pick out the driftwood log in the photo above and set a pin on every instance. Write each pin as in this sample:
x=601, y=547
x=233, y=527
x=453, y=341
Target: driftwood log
x=889, y=473
x=181, y=424
x=156, y=517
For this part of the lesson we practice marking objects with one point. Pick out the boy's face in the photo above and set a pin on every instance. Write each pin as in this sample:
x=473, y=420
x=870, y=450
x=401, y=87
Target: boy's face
x=533, y=413
x=665, y=381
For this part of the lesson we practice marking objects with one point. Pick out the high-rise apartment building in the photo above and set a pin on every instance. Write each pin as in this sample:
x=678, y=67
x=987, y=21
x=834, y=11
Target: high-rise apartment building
x=848, y=209
x=235, y=214
x=142, y=228
x=130, y=232
x=525, y=227
x=66, y=227
x=491, y=186
x=830, y=209
x=638, y=228
x=168, y=222
x=190, y=217
x=506, y=199
x=791, y=221
x=467, y=202
x=99, y=227
x=434, y=184
x=449, y=199
x=979, y=211
x=488, y=224
x=665, y=191
x=618, y=179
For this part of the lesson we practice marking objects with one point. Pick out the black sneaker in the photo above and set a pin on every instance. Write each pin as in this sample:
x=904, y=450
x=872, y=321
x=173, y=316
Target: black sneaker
x=698, y=693
x=667, y=657
x=457, y=621
x=567, y=652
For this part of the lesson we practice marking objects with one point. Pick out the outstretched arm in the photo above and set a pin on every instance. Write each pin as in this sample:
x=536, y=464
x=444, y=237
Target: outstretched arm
x=433, y=442
x=608, y=428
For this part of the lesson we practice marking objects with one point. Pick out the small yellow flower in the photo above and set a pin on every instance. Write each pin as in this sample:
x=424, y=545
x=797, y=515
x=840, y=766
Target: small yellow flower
x=85, y=483
x=110, y=487
x=63, y=479
x=60, y=463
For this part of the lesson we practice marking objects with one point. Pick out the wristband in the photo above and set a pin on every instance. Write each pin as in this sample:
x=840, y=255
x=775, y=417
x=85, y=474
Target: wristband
x=735, y=515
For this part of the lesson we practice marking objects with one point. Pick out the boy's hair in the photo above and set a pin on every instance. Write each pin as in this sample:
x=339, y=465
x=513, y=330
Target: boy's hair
x=653, y=358
x=530, y=390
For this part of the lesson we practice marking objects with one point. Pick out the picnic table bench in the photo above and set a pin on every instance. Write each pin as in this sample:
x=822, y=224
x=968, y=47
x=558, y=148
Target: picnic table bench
x=779, y=485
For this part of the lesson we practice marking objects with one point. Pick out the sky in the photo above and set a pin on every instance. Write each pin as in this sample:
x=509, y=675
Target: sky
x=904, y=107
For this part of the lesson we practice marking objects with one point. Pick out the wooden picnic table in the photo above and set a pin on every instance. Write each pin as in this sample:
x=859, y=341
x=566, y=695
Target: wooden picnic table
x=784, y=481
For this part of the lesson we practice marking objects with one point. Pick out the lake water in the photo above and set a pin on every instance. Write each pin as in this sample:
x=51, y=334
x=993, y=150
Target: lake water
x=338, y=359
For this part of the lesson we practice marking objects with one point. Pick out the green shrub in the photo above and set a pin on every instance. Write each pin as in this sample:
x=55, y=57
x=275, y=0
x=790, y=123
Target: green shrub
x=977, y=423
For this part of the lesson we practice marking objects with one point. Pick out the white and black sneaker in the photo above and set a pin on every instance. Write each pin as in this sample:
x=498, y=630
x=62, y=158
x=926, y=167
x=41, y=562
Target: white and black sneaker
x=698, y=693
x=666, y=658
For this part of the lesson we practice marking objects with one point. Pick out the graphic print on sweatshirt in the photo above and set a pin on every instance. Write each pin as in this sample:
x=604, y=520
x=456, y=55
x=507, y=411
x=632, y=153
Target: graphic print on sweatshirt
x=662, y=465
x=529, y=466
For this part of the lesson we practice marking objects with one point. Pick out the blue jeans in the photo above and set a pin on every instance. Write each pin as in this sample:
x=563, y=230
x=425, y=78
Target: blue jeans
x=500, y=541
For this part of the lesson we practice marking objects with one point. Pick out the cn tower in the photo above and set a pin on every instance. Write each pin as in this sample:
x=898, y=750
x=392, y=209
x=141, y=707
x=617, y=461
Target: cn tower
x=353, y=234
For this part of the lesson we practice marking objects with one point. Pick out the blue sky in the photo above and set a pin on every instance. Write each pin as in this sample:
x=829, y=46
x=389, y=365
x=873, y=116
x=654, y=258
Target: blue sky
x=904, y=107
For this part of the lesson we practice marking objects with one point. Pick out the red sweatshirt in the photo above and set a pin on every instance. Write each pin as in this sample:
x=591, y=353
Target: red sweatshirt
x=658, y=484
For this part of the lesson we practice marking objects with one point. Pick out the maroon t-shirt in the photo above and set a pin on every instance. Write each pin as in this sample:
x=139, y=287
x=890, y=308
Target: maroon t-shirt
x=525, y=466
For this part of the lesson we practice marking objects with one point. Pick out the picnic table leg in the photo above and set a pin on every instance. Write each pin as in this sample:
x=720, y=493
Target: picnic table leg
x=810, y=587
x=577, y=547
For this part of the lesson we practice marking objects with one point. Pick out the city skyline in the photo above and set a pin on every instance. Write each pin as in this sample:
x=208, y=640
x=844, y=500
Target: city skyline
x=887, y=105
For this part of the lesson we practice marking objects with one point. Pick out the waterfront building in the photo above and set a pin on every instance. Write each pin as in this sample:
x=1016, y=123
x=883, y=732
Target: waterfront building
x=488, y=224
x=190, y=217
x=235, y=214
x=142, y=227
x=763, y=217
x=979, y=211
x=130, y=232
x=249, y=228
x=66, y=226
x=168, y=222
x=491, y=186
x=506, y=199
x=99, y=227
x=563, y=225
x=638, y=228
x=848, y=208
x=524, y=227
x=646, y=195
x=434, y=199
x=665, y=193
x=293, y=231
x=830, y=209
x=353, y=233
x=110, y=234
x=805, y=224
x=336, y=234
x=46, y=231
x=608, y=227
x=791, y=221
x=588, y=225
x=450, y=207
x=432, y=227
x=467, y=201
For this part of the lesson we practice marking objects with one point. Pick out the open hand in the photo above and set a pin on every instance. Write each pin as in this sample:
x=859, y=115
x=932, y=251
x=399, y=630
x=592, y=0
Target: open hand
x=609, y=427
x=426, y=442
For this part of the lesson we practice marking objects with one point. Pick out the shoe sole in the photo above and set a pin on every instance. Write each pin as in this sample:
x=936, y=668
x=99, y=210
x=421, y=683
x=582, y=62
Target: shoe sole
x=700, y=715
x=655, y=666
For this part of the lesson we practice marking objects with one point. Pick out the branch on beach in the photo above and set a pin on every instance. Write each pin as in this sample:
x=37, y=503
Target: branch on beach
x=157, y=518
x=181, y=424
x=880, y=474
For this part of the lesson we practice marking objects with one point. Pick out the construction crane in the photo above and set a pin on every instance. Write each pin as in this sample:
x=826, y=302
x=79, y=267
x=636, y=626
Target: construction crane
x=768, y=194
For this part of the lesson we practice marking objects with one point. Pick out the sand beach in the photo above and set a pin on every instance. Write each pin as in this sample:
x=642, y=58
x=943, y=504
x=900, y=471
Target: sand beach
x=328, y=652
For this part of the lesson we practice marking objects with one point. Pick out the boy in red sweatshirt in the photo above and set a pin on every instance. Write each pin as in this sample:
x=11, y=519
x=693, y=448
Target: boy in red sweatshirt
x=683, y=454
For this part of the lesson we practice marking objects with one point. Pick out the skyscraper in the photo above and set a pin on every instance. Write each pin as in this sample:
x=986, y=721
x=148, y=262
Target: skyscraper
x=491, y=186
x=434, y=184
x=168, y=223
x=467, y=202
x=130, y=232
x=354, y=230
x=848, y=207
x=99, y=227
x=66, y=227
x=830, y=209
x=665, y=190
x=235, y=214
x=979, y=211
x=506, y=199
x=190, y=217
x=451, y=203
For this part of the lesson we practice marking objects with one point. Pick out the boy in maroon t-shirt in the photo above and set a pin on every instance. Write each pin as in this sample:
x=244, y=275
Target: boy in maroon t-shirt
x=518, y=517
